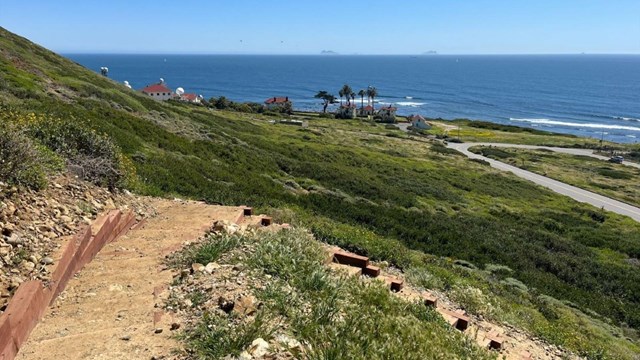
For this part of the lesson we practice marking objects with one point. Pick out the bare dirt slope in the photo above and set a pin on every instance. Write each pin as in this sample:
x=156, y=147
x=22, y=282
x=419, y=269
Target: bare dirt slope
x=107, y=312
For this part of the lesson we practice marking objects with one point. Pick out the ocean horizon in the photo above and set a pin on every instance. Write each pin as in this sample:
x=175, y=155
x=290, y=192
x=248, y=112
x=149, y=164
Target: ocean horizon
x=586, y=95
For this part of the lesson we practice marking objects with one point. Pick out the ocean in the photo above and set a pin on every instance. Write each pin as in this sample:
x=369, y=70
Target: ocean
x=587, y=95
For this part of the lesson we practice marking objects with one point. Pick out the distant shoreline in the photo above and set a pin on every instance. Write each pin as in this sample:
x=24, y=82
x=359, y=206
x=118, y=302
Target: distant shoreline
x=557, y=93
x=72, y=53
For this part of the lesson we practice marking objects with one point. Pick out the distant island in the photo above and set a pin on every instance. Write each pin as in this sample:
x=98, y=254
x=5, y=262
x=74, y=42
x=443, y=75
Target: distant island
x=430, y=52
x=328, y=52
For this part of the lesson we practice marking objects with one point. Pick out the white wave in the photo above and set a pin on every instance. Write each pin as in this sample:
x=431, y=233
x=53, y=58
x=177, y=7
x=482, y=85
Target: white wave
x=626, y=118
x=409, y=97
x=571, y=124
x=409, y=103
x=631, y=136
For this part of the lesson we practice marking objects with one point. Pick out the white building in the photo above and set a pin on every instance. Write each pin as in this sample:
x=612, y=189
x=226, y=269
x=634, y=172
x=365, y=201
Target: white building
x=419, y=123
x=158, y=91
x=192, y=98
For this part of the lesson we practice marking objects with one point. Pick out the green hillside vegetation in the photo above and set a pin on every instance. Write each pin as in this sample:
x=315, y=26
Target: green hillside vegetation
x=369, y=189
x=335, y=316
x=484, y=131
x=616, y=181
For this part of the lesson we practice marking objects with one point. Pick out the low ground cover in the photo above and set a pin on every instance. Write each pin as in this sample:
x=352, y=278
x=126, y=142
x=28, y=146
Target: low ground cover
x=616, y=181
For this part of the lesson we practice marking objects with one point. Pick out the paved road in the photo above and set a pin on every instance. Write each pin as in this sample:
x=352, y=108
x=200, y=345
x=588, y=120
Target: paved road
x=554, y=185
x=571, y=151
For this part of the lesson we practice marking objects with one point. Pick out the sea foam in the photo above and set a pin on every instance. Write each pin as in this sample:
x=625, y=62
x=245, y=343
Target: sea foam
x=409, y=103
x=626, y=118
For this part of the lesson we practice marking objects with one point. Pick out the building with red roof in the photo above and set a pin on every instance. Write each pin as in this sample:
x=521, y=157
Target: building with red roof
x=158, y=91
x=278, y=102
x=387, y=114
x=418, y=122
x=366, y=111
x=192, y=98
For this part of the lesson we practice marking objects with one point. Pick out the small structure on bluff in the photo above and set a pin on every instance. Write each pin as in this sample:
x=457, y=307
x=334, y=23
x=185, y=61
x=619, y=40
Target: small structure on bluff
x=419, y=123
x=192, y=98
x=277, y=102
x=387, y=114
x=158, y=91
x=366, y=111
x=347, y=111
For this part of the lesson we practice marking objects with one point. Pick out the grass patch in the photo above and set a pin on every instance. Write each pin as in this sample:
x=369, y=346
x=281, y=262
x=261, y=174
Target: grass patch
x=216, y=337
x=334, y=317
x=614, y=174
x=208, y=250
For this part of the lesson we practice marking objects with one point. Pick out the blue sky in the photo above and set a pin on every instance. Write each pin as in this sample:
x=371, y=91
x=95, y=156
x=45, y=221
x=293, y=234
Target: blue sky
x=347, y=27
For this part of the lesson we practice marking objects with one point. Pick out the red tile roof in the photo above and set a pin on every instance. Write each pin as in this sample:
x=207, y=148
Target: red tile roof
x=416, y=118
x=276, y=100
x=389, y=108
x=189, y=97
x=368, y=108
x=156, y=88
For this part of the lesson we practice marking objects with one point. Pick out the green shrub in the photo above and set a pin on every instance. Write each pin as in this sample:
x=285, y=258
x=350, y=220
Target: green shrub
x=92, y=156
x=510, y=128
x=465, y=264
x=498, y=270
x=441, y=149
x=614, y=174
x=514, y=283
x=20, y=159
x=481, y=162
x=495, y=153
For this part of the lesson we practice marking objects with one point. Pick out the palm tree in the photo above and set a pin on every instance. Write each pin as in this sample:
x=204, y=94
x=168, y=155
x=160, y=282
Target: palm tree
x=372, y=93
x=326, y=99
x=342, y=94
x=353, y=97
x=362, y=93
x=346, y=90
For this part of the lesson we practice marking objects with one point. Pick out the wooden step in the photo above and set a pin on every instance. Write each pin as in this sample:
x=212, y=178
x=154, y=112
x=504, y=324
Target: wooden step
x=463, y=321
x=346, y=258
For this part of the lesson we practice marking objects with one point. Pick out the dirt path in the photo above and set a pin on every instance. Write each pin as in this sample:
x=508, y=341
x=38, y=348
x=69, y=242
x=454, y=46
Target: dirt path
x=107, y=311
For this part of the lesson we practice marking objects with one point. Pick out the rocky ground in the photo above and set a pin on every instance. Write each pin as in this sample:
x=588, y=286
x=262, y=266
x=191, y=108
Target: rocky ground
x=32, y=224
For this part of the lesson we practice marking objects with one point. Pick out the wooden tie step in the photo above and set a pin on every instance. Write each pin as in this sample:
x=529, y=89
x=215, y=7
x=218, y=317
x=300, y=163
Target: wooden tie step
x=457, y=319
x=345, y=258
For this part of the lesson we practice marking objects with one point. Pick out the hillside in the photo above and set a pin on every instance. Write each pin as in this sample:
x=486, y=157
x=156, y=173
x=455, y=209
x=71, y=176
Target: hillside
x=502, y=248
